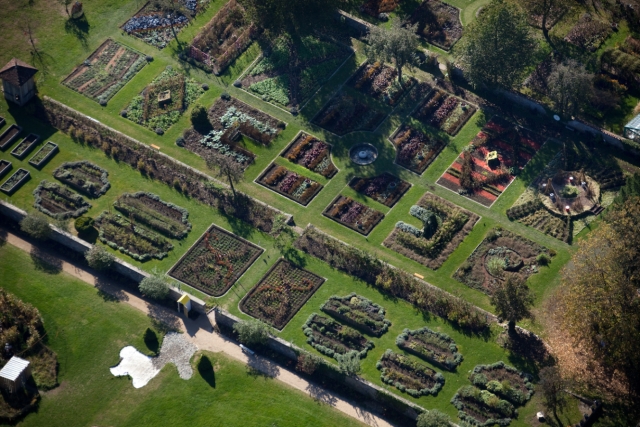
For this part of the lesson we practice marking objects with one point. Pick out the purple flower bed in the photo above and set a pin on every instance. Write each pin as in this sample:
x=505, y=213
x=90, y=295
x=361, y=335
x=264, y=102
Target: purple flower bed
x=352, y=213
x=444, y=111
x=287, y=184
x=312, y=154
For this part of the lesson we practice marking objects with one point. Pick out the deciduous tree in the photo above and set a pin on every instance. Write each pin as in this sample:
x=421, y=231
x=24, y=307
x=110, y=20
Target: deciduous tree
x=252, y=332
x=36, y=225
x=513, y=301
x=225, y=166
x=545, y=10
x=570, y=86
x=433, y=418
x=553, y=388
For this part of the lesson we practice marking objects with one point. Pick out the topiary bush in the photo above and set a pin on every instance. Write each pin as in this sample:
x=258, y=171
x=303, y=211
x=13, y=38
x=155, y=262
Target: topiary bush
x=154, y=287
x=36, y=225
x=98, y=258
x=83, y=224
x=252, y=332
x=200, y=120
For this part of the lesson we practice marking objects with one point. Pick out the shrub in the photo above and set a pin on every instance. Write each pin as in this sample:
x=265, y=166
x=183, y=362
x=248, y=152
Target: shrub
x=543, y=259
x=124, y=113
x=149, y=58
x=282, y=125
x=225, y=96
x=159, y=131
x=97, y=257
x=200, y=120
x=252, y=332
x=349, y=363
x=180, y=141
x=205, y=86
x=36, y=225
x=103, y=102
x=237, y=83
x=154, y=287
x=496, y=266
x=552, y=252
x=308, y=363
x=83, y=224
x=433, y=418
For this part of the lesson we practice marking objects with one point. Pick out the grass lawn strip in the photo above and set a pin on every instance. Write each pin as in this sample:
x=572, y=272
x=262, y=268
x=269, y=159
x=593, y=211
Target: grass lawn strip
x=352, y=214
x=308, y=151
x=334, y=339
x=291, y=185
x=215, y=262
x=280, y=294
x=434, y=347
x=106, y=71
x=501, y=252
x=415, y=150
x=504, y=381
x=386, y=188
x=154, y=213
x=359, y=313
x=84, y=177
x=58, y=201
x=407, y=375
x=445, y=226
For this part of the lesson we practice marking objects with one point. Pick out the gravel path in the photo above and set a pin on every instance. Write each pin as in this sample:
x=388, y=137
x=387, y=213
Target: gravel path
x=177, y=350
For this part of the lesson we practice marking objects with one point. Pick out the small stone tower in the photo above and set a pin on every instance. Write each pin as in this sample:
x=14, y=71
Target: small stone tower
x=17, y=81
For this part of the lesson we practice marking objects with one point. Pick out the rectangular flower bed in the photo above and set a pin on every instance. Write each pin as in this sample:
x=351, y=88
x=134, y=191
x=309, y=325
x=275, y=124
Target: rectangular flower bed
x=44, y=154
x=224, y=38
x=294, y=69
x=352, y=214
x=345, y=113
x=504, y=381
x=376, y=7
x=308, y=151
x=386, y=188
x=216, y=261
x=444, y=111
x=280, y=294
x=415, y=150
x=334, y=339
x=485, y=169
x=438, y=23
x=154, y=213
x=106, y=71
x=589, y=32
x=25, y=146
x=445, y=226
x=291, y=185
x=9, y=135
x=434, y=347
x=14, y=182
x=380, y=82
x=358, y=312
x=147, y=110
x=129, y=238
x=5, y=167
x=482, y=408
x=151, y=26
x=58, y=201
x=409, y=376
x=501, y=252
x=84, y=177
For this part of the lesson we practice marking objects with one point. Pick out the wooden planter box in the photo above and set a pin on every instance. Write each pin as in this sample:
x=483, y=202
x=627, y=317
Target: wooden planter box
x=26, y=145
x=5, y=167
x=51, y=149
x=9, y=188
x=8, y=136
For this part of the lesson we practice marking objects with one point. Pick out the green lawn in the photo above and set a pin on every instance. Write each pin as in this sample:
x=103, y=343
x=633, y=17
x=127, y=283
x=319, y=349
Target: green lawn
x=87, y=333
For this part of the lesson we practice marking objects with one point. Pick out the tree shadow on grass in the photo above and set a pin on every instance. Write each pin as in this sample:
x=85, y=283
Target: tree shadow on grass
x=151, y=341
x=205, y=368
x=79, y=28
x=260, y=367
x=45, y=262
x=3, y=238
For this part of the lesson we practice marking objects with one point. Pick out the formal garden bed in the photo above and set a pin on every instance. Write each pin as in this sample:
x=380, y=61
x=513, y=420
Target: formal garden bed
x=334, y=339
x=43, y=155
x=434, y=347
x=106, y=71
x=492, y=160
x=216, y=261
x=376, y=7
x=308, y=151
x=25, y=146
x=280, y=294
x=223, y=39
x=151, y=211
x=444, y=112
x=151, y=26
x=380, y=82
x=131, y=239
x=438, y=23
x=359, y=313
x=504, y=381
x=14, y=182
x=534, y=214
x=352, y=214
x=588, y=33
x=292, y=69
x=293, y=186
x=8, y=136
x=346, y=113
x=5, y=167
x=58, y=201
x=445, y=226
x=153, y=110
x=500, y=253
x=386, y=188
x=415, y=149
x=482, y=408
x=407, y=375
x=84, y=177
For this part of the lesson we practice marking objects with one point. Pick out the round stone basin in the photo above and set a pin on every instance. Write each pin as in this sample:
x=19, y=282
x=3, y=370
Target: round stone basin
x=363, y=154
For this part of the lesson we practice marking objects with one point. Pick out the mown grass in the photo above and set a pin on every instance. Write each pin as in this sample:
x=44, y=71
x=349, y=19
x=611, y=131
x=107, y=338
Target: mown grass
x=87, y=333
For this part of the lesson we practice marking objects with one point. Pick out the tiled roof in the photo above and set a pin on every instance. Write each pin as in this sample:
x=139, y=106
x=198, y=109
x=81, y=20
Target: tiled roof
x=17, y=72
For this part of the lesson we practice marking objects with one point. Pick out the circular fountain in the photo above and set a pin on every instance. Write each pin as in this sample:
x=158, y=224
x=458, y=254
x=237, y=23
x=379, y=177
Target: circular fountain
x=363, y=154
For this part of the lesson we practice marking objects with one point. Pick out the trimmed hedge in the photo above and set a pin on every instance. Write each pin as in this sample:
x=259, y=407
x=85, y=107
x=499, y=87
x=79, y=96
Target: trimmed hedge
x=388, y=376
x=436, y=339
x=506, y=391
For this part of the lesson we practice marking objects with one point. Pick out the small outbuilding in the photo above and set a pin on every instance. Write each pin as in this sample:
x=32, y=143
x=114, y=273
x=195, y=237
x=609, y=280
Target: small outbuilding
x=632, y=129
x=15, y=374
x=184, y=304
x=492, y=159
x=17, y=81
